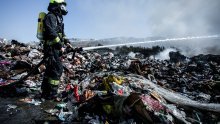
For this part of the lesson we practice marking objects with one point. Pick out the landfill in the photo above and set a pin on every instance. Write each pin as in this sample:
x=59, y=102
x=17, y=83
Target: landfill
x=107, y=87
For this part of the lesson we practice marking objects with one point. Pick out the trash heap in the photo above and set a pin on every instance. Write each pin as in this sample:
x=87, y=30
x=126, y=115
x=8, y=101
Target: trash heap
x=105, y=87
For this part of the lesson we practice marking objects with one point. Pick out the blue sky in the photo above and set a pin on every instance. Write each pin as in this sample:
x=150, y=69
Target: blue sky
x=114, y=18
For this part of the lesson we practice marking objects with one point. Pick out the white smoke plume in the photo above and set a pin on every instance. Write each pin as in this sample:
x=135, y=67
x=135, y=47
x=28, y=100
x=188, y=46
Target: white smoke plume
x=164, y=55
x=162, y=18
x=131, y=55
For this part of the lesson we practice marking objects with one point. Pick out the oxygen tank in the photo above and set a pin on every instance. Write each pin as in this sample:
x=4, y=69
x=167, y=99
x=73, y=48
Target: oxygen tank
x=40, y=27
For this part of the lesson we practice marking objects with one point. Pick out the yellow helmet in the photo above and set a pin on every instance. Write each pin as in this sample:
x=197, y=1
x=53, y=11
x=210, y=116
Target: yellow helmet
x=58, y=1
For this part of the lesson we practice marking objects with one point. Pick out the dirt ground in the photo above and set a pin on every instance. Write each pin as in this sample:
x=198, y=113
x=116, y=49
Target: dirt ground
x=25, y=113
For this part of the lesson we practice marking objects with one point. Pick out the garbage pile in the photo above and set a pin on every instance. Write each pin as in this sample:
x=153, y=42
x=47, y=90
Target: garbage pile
x=105, y=87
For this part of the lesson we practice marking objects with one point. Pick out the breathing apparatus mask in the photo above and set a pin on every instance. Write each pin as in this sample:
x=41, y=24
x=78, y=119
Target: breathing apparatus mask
x=63, y=9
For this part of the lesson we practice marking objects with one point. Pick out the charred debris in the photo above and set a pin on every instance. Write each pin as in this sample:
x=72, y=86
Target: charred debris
x=109, y=86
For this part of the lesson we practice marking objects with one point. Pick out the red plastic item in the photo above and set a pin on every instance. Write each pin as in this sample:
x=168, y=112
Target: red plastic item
x=120, y=92
x=76, y=94
x=68, y=87
x=152, y=104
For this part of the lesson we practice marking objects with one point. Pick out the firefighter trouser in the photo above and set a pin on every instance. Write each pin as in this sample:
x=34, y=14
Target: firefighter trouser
x=53, y=72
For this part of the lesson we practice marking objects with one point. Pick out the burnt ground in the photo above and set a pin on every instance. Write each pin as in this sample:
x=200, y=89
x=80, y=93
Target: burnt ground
x=25, y=113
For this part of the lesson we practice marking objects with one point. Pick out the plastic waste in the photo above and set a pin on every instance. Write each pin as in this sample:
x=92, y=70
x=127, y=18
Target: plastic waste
x=95, y=121
x=52, y=111
x=5, y=63
x=152, y=104
x=10, y=106
x=63, y=115
x=61, y=105
x=85, y=83
x=34, y=54
x=100, y=92
x=76, y=92
x=120, y=90
x=30, y=83
x=2, y=81
x=204, y=96
x=177, y=113
x=31, y=101
x=175, y=97
x=17, y=77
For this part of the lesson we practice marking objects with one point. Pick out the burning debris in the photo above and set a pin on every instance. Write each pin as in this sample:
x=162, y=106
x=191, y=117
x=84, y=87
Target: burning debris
x=107, y=87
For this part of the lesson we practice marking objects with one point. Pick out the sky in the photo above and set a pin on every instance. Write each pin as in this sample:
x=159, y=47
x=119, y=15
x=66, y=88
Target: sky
x=99, y=19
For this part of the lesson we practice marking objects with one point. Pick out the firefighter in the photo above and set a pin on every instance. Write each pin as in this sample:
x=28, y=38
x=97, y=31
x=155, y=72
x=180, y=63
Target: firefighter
x=54, y=39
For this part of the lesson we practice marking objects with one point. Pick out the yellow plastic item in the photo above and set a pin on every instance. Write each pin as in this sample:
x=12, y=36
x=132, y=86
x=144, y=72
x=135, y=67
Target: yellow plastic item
x=40, y=27
x=112, y=78
x=118, y=80
x=107, y=108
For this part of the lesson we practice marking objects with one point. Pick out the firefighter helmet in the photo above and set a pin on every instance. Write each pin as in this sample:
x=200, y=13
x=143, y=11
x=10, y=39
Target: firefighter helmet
x=58, y=1
x=61, y=6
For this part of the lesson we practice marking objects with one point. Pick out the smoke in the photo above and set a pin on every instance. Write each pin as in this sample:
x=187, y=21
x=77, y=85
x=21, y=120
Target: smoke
x=162, y=18
x=164, y=55
x=131, y=55
x=193, y=47
x=172, y=18
x=143, y=18
x=185, y=17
